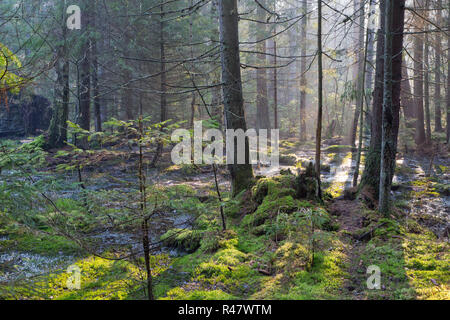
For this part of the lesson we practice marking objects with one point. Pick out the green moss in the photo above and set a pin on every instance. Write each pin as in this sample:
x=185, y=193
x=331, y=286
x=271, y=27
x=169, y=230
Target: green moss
x=338, y=149
x=270, y=206
x=404, y=170
x=100, y=279
x=324, y=281
x=275, y=186
x=291, y=256
x=42, y=244
x=181, y=294
x=188, y=240
x=288, y=159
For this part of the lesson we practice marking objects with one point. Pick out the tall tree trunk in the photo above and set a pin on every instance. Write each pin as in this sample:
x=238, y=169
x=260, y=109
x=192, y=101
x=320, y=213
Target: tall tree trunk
x=407, y=97
x=359, y=10
x=85, y=92
x=262, y=108
x=370, y=181
x=303, y=82
x=57, y=132
x=127, y=90
x=65, y=102
x=143, y=208
x=448, y=75
x=163, y=69
x=241, y=174
x=394, y=25
x=163, y=98
x=426, y=94
x=320, y=93
x=437, y=72
x=275, y=86
x=95, y=84
x=371, y=25
x=193, y=95
x=216, y=100
x=362, y=78
x=418, y=76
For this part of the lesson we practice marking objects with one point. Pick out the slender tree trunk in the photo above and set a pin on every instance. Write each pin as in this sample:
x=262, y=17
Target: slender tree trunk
x=426, y=95
x=370, y=181
x=163, y=69
x=241, y=174
x=437, y=72
x=407, y=97
x=448, y=76
x=262, y=108
x=57, y=132
x=163, y=98
x=193, y=95
x=95, y=84
x=418, y=76
x=359, y=10
x=65, y=102
x=394, y=24
x=275, y=86
x=216, y=101
x=371, y=25
x=320, y=93
x=361, y=109
x=143, y=207
x=127, y=95
x=303, y=82
x=85, y=94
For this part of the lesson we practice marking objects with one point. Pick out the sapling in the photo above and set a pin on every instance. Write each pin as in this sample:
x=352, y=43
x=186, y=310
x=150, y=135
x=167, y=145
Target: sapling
x=314, y=219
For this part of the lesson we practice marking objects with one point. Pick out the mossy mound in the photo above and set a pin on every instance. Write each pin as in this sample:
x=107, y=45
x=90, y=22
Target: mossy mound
x=182, y=239
x=289, y=159
x=338, y=149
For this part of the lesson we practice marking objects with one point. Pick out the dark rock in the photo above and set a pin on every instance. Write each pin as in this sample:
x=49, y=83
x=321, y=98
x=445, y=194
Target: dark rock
x=24, y=115
x=350, y=194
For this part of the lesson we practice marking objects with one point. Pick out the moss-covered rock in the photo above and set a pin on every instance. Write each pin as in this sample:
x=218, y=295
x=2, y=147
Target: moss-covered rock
x=187, y=240
x=338, y=149
x=288, y=159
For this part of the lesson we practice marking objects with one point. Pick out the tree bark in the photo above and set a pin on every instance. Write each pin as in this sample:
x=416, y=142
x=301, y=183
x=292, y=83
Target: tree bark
x=407, y=97
x=437, y=72
x=320, y=94
x=371, y=25
x=85, y=92
x=241, y=174
x=448, y=76
x=216, y=96
x=418, y=76
x=163, y=98
x=370, y=181
x=426, y=94
x=394, y=24
x=262, y=104
x=275, y=86
x=95, y=84
x=303, y=82
x=359, y=10
x=57, y=132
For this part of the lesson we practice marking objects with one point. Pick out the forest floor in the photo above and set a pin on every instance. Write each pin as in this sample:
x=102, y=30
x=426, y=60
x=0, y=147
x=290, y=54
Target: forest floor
x=269, y=250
